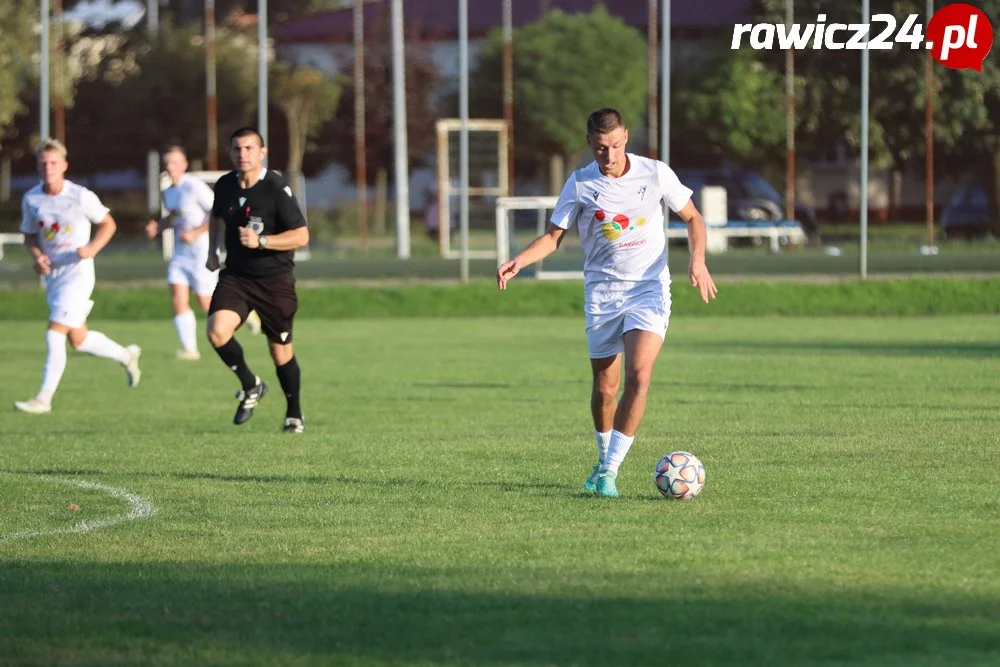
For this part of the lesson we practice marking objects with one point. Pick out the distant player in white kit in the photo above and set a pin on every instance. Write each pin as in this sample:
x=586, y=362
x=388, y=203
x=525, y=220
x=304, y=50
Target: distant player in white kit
x=56, y=220
x=188, y=204
x=616, y=203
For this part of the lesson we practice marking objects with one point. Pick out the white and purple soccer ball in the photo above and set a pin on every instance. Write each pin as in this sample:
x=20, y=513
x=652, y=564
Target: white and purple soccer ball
x=679, y=475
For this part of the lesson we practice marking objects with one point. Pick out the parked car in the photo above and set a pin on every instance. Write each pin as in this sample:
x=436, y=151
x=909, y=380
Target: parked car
x=968, y=214
x=749, y=196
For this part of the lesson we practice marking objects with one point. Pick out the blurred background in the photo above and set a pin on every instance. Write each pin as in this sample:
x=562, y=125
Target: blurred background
x=780, y=132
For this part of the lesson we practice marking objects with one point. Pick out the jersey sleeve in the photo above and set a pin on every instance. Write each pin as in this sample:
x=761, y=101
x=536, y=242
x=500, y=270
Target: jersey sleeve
x=28, y=223
x=675, y=193
x=205, y=196
x=216, y=206
x=568, y=205
x=92, y=207
x=289, y=215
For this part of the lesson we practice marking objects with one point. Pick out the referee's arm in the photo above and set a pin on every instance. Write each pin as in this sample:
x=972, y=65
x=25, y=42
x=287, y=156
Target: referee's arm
x=290, y=218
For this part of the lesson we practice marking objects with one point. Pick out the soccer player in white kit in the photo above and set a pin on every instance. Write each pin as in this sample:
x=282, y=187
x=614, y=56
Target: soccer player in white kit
x=56, y=220
x=616, y=204
x=188, y=204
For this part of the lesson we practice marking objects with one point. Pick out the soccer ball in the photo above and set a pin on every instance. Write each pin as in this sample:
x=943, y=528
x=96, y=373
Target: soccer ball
x=679, y=475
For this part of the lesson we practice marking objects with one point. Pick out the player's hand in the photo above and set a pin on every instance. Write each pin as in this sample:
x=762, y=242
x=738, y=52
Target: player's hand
x=152, y=229
x=507, y=271
x=43, y=265
x=700, y=278
x=213, y=261
x=85, y=252
x=188, y=237
x=248, y=238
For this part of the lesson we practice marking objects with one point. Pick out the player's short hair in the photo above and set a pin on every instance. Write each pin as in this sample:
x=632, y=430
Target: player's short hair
x=53, y=146
x=246, y=131
x=604, y=121
x=176, y=148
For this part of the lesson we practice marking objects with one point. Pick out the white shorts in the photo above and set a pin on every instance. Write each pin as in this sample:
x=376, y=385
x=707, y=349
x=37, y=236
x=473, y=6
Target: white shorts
x=191, y=272
x=67, y=292
x=648, y=312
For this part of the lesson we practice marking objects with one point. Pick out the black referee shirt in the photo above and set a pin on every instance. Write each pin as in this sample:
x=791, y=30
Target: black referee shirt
x=269, y=207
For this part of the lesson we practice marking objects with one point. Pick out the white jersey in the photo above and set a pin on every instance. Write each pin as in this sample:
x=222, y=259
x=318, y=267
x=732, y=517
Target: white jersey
x=63, y=223
x=621, y=226
x=188, y=205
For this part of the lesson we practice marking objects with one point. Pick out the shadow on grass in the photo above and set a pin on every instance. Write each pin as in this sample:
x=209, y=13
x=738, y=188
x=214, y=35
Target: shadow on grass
x=883, y=349
x=190, y=613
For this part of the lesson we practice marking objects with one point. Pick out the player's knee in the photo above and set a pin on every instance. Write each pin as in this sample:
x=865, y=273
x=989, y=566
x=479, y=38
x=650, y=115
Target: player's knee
x=218, y=332
x=281, y=354
x=638, y=379
x=606, y=389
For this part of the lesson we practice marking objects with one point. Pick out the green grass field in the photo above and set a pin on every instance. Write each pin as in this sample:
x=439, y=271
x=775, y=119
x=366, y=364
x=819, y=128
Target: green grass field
x=432, y=514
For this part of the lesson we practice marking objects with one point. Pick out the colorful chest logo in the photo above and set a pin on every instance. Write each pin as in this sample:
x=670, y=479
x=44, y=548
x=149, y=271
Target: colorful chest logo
x=618, y=224
x=50, y=231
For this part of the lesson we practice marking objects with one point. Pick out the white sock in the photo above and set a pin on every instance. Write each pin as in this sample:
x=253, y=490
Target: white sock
x=603, y=440
x=187, y=330
x=617, y=450
x=99, y=345
x=55, y=364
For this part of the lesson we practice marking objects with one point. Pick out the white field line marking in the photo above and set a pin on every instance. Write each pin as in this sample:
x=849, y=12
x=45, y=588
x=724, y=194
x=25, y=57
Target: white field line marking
x=139, y=508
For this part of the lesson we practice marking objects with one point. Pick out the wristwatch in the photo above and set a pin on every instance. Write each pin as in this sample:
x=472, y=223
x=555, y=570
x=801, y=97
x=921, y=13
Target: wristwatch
x=262, y=240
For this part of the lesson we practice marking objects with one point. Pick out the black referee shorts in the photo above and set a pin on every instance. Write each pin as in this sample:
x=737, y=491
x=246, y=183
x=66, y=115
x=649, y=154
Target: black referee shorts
x=273, y=297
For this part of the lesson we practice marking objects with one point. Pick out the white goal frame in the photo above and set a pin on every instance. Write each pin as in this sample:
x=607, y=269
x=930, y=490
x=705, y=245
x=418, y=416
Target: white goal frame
x=445, y=191
x=504, y=232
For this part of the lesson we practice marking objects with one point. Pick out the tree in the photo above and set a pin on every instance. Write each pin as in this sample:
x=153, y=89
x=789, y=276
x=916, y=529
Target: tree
x=152, y=94
x=307, y=98
x=565, y=66
x=730, y=108
x=17, y=21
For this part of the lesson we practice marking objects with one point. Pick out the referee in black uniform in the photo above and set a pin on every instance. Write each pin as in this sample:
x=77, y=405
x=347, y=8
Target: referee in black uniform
x=263, y=227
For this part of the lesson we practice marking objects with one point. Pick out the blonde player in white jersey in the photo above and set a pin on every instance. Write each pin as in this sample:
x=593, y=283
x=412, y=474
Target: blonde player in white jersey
x=56, y=220
x=616, y=204
x=188, y=204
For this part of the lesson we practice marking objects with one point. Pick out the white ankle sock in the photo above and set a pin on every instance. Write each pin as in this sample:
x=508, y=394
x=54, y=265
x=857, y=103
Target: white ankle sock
x=617, y=450
x=603, y=440
x=99, y=345
x=187, y=330
x=55, y=364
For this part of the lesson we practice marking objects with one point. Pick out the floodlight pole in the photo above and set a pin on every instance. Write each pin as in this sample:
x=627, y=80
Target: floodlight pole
x=463, y=107
x=863, y=223
x=262, y=90
x=211, y=102
x=400, y=141
x=43, y=103
x=360, y=165
x=789, y=119
x=665, y=82
x=508, y=88
x=651, y=103
x=929, y=148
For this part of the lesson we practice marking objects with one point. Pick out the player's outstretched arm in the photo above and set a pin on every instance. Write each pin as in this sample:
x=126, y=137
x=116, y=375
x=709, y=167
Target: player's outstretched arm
x=540, y=248
x=213, y=244
x=697, y=240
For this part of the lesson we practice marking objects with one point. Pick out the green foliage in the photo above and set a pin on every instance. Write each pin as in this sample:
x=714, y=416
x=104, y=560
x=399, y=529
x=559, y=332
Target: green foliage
x=731, y=107
x=308, y=98
x=17, y=20
x=565, y=66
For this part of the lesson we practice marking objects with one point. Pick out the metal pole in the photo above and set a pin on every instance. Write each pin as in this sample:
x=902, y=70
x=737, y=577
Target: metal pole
x=929, y=149
x=789, y=119
x=262, y=90
x=59, y=104
x=508, y=88
x=665, y=83
x=43, y=102
x=152, y=16
x=211, y=102
x=402, y=174
x=463, y=108
x=652, y=58
x=865, y=17
x=360, y=166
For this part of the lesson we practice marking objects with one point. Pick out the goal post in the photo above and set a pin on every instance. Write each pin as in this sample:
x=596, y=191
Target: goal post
x=568, y=264
x=489, y=179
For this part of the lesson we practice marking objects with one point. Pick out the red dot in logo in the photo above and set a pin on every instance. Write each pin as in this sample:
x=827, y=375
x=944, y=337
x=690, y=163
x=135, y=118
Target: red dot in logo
x=622, y=220
x=960, y=36
x=600, y=215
